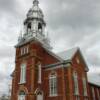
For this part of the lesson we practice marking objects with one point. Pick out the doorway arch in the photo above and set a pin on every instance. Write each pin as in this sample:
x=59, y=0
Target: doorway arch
x=39, y=94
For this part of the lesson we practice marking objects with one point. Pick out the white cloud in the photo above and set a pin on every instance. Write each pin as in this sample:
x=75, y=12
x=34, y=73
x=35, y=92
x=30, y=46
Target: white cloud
x=70, y=23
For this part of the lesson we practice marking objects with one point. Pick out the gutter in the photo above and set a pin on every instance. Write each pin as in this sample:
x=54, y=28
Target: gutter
x=57, y=64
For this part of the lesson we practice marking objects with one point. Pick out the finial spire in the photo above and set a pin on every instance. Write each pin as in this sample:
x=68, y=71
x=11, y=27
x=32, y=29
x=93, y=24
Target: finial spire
x=36, y=2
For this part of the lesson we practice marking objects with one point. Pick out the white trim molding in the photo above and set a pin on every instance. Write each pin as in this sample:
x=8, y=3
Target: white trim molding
x=23, y=73
x=39, y=73
x=76, y=87
x=53, y=84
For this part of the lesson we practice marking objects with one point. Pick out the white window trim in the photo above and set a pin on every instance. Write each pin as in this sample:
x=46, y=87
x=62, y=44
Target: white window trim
x=76, y=87
x=23, y=73
x=84, y=86
x=24, y=50
x=53, y=79
x=39, y=74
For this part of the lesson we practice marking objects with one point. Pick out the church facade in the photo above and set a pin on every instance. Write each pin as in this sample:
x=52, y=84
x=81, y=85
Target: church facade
x=41, y=74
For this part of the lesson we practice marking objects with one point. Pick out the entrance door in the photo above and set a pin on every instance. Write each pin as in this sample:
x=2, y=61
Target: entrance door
x=21, y=96
x=39, y=97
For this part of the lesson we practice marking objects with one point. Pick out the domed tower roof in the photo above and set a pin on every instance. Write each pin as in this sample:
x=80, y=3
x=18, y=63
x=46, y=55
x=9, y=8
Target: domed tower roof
x=34, y=26
x=35, y=11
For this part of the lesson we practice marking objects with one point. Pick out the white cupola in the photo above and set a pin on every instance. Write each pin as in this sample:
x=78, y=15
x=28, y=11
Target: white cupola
x=34, y=25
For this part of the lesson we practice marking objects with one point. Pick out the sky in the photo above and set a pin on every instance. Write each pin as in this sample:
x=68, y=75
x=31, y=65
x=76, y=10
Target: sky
x=70, y=23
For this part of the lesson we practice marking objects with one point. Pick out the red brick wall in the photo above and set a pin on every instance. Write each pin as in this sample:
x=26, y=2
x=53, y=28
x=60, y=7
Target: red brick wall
x=36, y=54
x=64, y=75
x=63, y=84
x=80, y=70
x=46, y=74
x=96, y=90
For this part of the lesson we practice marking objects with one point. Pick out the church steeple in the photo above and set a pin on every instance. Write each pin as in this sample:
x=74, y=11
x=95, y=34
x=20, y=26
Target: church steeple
x=34, y=25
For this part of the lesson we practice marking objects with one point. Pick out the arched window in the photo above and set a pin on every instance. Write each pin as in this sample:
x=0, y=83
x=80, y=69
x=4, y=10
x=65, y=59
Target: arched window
x=53, y=84
x=21, y=95
x=76, y=88
x=39, y=73
x=84, y=86
x=40, y=27
x=29, y=27
x=23, y=73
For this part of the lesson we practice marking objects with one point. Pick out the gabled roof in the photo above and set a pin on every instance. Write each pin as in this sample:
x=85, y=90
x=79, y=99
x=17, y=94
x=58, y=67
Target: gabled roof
x=94, y=83
x=53, y=54
x=68, y=54
x=46, y=48
x=94, y=80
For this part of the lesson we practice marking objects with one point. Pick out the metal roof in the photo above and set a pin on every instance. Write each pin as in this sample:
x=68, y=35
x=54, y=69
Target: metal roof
x=68, y=54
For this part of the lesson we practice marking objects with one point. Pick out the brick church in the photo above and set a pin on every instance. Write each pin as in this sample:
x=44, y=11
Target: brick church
x=41, y=74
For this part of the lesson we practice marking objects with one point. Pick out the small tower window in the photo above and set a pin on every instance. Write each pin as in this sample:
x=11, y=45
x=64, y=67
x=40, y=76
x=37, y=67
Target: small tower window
x=40, y=27
x=24, y=50
x=29, y=28
x=29, y=25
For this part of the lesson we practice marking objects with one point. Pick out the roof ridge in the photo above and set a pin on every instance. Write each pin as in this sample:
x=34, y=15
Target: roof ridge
x=69, y=49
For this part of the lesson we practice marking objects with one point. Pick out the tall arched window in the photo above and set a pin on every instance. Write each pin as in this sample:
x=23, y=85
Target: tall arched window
x=53, y=84
x=76, y=88
x=84, y=86
x=29, y=27
x=21, y=95
x=23, y=73
x=39, y=73
x=40, y=27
